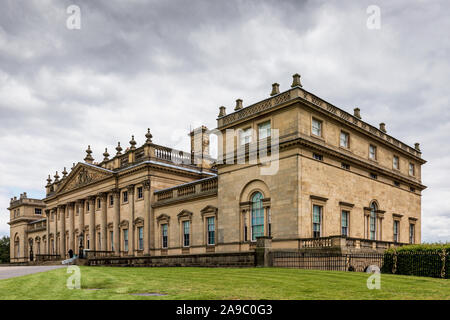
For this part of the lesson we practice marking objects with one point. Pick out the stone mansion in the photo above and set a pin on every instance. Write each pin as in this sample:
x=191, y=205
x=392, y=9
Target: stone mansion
x=336, y=177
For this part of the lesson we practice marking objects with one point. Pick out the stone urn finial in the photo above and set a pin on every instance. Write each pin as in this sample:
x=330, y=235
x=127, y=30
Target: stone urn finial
x=417, y=146
x=132, y=143
x=64, y=173
x=56, y=176
x=106, y=155
x=118, y=149
x=149, y=136
x=89, y=158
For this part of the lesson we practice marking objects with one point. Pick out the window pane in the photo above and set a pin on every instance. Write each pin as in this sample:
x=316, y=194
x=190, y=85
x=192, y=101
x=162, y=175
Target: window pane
x=257, y=216
x=344, y=139
x=264, y=130
x=316, y=127
x=245, y=136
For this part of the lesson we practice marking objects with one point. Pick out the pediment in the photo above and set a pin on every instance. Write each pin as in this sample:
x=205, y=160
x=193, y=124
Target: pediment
x=83, y=175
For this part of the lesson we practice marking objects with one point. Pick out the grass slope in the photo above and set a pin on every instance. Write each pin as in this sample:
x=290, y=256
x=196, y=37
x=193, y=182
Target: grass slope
x=219, y=283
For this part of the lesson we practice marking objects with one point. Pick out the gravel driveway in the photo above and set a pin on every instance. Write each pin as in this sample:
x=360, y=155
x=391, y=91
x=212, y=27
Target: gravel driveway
x=17, y=271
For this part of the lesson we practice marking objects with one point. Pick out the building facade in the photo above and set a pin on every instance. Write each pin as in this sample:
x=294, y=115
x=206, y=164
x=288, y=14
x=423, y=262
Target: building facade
x=292, y=166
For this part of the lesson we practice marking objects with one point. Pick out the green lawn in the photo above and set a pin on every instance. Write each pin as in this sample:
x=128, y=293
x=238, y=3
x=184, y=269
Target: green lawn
x=219, y=283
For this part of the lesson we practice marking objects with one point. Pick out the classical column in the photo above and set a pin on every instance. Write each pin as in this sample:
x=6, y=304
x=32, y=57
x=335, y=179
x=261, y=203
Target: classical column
x=116, y=221
x=47, y=214
x=148, y=239
x=131, y=225
x=91, y=200
x=80, y=204
x=103, y=223
x=71, y=244
x=62, y=231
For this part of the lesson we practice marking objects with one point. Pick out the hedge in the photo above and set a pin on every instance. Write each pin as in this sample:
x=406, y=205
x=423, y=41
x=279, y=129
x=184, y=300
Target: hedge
x=419, y=260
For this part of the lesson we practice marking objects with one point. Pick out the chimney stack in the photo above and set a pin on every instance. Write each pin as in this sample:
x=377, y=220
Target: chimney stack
x=275, y=89
x=238, y=105
x=356, y=113
x=296, y=81
x=222, y=112
x=383, y=127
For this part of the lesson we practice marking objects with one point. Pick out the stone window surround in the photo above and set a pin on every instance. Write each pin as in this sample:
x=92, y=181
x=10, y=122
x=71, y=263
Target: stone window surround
x=183, y=216
x=348, y=140
x=318, y=201
x=346, y=206
x=322, y=127
x=208, y=212
x=161, y=220
x=262, y=121
x=412, y=221
x=379, y=216
x=396, y=217
x=245, y=209
x=375, y=152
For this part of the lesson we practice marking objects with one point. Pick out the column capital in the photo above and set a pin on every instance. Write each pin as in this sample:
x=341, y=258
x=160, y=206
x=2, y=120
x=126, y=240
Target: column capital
x=80, y=201
x=71, y=204
x=102, y=195
x=91, y=198
x=115, y=191
x=62, y=206
x=131, y=188
x=146, y=184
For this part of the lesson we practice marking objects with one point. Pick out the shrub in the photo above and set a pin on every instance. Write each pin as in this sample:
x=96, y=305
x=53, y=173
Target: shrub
x=419, y=260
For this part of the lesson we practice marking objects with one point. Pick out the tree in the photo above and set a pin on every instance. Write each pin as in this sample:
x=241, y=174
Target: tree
x=4, y=250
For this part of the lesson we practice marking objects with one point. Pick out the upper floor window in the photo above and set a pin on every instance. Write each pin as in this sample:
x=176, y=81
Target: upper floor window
x=99, y=203
x=411, y=169
x=245, y=136
x=125, y=196
x=318, y=156
x=316, y=127
x=257, y=216
x=88, y=205
x=317, y=221
x=344, y=223
x=186, y=233
x=140, y=194
x=37, y=211
x=111, y=200
x=345, y=166
x=264, y=130
x=395, y=163
x=344, y=140
x=373, y=175
x=372, y=152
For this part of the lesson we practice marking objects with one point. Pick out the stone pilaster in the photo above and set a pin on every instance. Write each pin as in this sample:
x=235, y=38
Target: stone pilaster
x=92, y=241
x=103, y=223
x=131, y=244
x=71, y=244
x=47, y=214
x=81, y=205
x=149, y=241
x=116, y=221
x=62, y=231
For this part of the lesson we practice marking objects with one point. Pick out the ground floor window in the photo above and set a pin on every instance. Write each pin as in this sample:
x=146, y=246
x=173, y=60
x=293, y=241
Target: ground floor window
x=211, y=231
x=257, y=216
x=125, y=240
x=186, y=233
x=411, y=233
x=344, y=223
x=164, y=235
x=396, y=229
x=111, y=239
x=317, y=221
x=141, y=238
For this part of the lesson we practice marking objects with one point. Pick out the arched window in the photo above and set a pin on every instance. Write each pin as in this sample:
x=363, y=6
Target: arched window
x=373, y=221
x=17, y=245
x=257, y=216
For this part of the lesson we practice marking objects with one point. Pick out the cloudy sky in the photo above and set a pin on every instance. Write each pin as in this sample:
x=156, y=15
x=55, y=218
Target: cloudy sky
x=169, y=65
